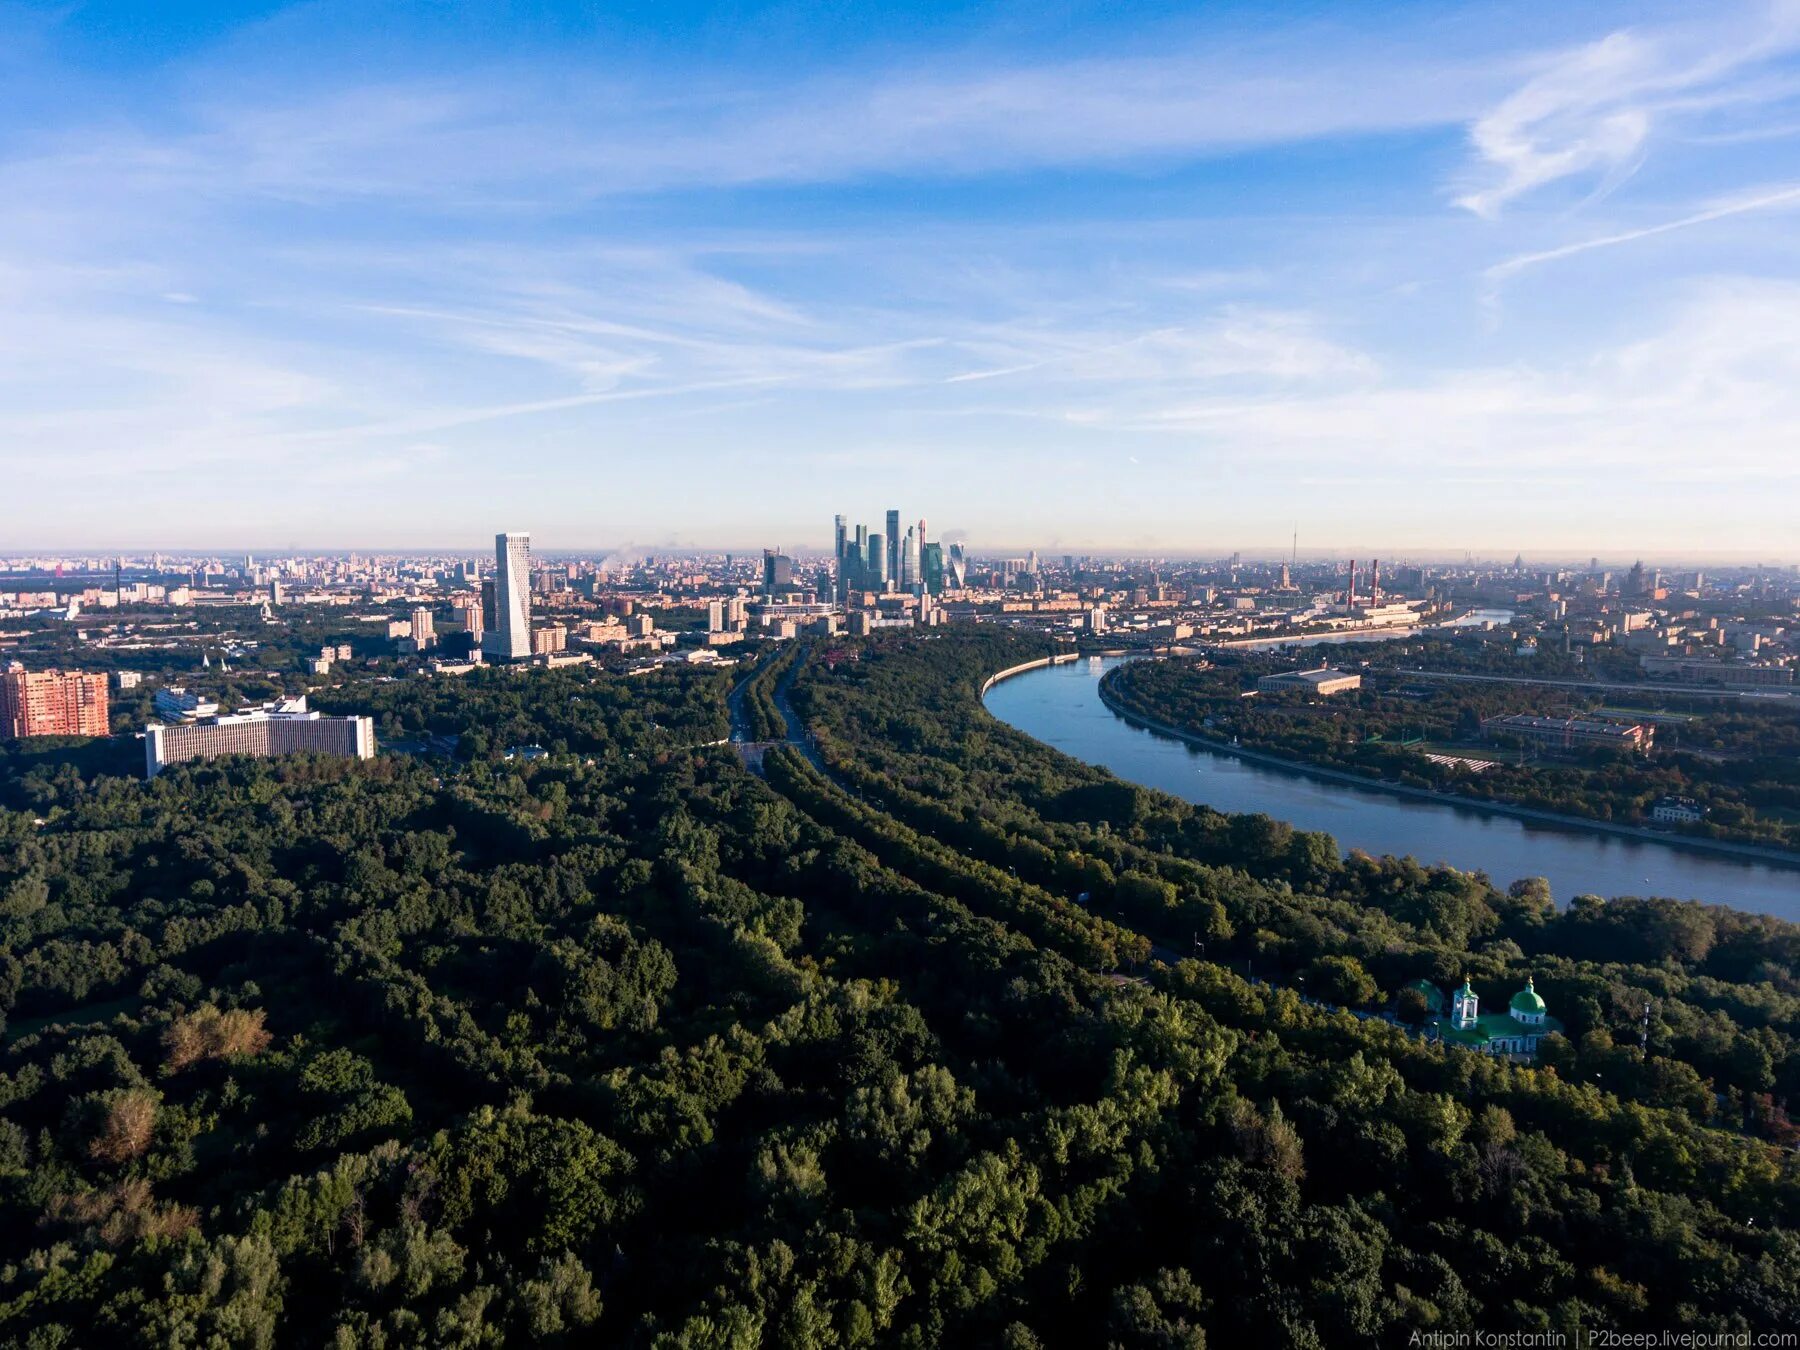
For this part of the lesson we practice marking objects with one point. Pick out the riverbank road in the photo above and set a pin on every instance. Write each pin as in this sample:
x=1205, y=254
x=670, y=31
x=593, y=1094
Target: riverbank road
x=1685, y=690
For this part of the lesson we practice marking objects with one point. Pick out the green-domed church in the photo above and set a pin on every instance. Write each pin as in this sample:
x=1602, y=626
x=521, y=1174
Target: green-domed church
x=1515, y=1032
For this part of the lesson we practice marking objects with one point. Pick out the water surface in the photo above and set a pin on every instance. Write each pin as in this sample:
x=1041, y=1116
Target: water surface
x=1060, y=705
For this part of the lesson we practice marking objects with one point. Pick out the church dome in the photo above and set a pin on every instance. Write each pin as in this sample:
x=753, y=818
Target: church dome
x=1527, y=1000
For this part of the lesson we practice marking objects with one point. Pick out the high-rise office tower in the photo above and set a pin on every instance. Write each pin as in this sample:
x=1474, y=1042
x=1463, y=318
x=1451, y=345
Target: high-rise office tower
x=893, y=546
x=856, y=562
x=958, y=571
x=509, y=638
x=778, y=572
x=877, y=571
x=909, y=561
x=841, y=570
x=931, y=567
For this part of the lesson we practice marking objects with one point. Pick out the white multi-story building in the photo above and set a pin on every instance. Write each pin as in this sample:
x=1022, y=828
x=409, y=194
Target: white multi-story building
x=1677, y=811
x=178, y=705
x=285, y=727
x=510, y=637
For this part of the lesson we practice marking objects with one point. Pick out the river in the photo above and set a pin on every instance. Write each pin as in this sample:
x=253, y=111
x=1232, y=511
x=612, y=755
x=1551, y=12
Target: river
x=1060, y=705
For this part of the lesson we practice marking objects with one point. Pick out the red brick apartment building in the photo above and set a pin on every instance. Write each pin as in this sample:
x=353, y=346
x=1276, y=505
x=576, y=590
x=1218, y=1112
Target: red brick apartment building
x=52, y=703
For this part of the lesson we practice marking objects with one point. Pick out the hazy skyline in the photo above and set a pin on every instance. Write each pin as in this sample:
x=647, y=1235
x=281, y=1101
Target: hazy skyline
x=1114, y=278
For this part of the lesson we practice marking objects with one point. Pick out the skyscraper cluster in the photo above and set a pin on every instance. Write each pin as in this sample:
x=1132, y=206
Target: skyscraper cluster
x=887, y=563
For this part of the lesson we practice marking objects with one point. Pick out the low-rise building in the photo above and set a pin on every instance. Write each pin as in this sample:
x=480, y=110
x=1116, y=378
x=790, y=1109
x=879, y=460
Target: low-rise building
x=178, y=704
x=771, y=614
x=1702, y=670
x=1570, y=733
x=1677, y=811
x=1322, y=682
x=1514, y=1034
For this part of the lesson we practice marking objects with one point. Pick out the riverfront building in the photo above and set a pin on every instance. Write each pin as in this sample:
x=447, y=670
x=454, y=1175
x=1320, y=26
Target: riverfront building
x=1677, y=811
x=1323, y=681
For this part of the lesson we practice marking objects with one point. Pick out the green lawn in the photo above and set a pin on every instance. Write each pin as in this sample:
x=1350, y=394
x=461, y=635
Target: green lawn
x=92, y=1014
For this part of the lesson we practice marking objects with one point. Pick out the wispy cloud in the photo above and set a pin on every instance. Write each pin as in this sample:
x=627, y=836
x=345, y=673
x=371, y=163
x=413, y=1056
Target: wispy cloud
x=1715, y=390
x=1234, y=342
x=1592, y=110
x=1226, y=258
x=501, y=139
x=1737, y=206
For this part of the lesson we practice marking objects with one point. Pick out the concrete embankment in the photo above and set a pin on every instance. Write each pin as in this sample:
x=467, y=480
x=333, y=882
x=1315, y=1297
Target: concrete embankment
x=1024, y=666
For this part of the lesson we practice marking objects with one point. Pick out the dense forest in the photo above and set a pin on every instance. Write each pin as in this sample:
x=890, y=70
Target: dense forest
x=1739, y=760
x=953, y=1042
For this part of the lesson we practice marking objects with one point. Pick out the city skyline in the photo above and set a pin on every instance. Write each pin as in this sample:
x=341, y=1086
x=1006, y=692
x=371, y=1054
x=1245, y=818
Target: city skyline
x=1118, y=673
x=1130, y=282
x=804, y=547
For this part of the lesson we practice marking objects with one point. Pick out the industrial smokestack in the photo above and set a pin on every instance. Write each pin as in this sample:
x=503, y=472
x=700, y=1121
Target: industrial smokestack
x=1350, y=591
x=1375, y=582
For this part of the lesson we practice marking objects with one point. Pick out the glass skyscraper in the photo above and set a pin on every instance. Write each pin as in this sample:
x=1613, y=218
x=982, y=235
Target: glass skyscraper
x=509, y=639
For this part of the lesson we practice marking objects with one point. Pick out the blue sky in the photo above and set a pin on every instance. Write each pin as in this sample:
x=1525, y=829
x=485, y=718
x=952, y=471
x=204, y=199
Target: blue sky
x=1167, y=278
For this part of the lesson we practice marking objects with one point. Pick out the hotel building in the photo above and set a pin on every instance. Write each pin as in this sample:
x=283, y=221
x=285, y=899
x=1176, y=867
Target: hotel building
x=286, y=728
